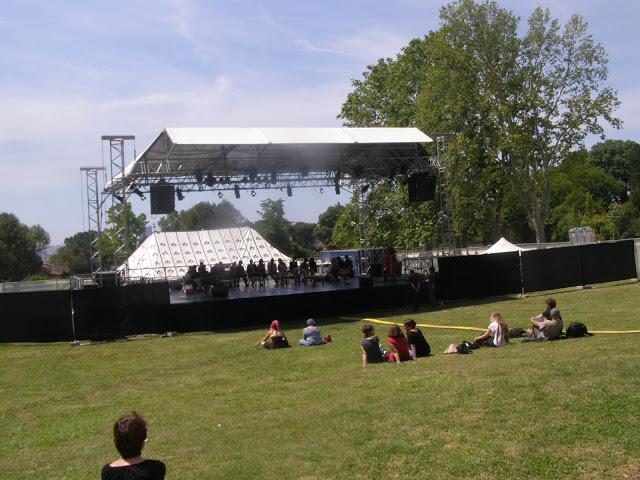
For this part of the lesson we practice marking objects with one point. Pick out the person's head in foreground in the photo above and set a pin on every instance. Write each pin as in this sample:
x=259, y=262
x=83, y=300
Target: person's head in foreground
x=129, y=435
x=395, y=332
x=555, y=313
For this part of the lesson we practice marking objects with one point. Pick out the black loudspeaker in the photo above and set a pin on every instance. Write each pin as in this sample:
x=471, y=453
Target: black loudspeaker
x=163, y=199
x=422, y=187
x=107, y=279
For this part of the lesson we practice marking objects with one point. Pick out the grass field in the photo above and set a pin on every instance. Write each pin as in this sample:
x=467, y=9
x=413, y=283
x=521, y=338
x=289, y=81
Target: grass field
x=219, y=407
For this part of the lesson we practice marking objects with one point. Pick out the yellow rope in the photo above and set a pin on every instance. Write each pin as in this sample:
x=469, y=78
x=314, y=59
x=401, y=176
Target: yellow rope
x=446, y=327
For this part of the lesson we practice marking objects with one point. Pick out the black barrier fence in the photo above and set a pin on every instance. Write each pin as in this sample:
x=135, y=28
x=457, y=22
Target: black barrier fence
x=534, y=270
x=99, y=313
x=479, y=275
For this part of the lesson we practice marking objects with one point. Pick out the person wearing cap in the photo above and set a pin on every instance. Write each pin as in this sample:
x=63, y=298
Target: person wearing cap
x=546, y=329
x=311, y=335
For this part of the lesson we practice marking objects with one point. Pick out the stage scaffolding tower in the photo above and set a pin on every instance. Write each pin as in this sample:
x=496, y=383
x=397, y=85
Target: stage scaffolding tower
x=94, y=214
x=448, y=246
x=120, y=196
x=363, y=225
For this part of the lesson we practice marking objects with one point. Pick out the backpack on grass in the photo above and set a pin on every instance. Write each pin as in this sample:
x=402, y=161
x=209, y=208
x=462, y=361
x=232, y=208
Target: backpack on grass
x=577, y=330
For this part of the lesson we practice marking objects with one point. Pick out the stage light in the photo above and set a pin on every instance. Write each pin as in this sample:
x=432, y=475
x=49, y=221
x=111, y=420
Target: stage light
x=253, y=193
x=236, y=190
x=336, y=179
x=198, y=175
x=289, y=192
x=210, y=180
x=179, y=194
x=137, y=191
x=321, y=190
x=220, y=195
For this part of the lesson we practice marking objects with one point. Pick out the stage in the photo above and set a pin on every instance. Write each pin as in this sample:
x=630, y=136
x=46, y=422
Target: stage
x=116, y=312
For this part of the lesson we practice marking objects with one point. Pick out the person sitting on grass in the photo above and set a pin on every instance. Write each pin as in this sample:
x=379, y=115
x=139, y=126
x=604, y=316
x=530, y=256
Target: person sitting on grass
x=547, y=329
x=130, y=435
x=277, y=337
x=398, y=343
x=311, y=335
x=497, y=335
x=550, y=303
x=370, y=346
x=418, y=345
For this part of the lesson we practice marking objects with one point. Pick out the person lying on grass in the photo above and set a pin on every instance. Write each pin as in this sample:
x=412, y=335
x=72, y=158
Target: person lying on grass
x=417, y=343
x=130, y=435
x=398, y=343
x=497, y=335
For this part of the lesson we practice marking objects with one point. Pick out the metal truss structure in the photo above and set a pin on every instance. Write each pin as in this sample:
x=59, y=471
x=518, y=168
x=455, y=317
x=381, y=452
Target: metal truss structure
x=202, y=160
x=94, y=213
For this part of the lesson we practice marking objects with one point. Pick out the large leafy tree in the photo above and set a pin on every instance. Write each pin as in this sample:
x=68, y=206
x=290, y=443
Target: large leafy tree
x=203, y=216
x=273, y=226
x=518, y=105
x=326, y=221
x=620, y=159
x=114, y=236
x=75, y=253
x=18, y=257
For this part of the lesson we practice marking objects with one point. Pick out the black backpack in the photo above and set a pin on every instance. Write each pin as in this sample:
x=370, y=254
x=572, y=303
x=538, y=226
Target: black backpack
x=576, y=330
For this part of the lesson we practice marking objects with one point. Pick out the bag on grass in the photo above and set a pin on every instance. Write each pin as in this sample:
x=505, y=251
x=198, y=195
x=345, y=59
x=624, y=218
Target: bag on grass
x=464, y=348
x=517, y=332
x=576, y=330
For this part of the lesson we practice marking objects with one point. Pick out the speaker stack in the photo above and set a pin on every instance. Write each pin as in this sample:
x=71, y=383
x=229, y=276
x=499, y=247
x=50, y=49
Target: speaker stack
x=422, y=187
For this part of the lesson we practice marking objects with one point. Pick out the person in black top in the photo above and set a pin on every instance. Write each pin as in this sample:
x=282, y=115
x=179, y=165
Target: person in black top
x=418, y=345
x=129, y=436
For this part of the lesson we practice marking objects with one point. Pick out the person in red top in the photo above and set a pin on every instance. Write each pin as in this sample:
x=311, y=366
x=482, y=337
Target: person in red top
x=398, y=343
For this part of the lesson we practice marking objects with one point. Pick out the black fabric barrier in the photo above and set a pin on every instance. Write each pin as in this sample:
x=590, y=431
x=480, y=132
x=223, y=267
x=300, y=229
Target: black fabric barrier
x=551, y=269
x=36, y=317
x=607, y=262
x=104, y=313
x=479, y=275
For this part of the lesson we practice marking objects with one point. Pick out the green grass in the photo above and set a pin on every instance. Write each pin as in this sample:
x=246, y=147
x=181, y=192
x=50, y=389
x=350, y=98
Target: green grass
x=219, y=407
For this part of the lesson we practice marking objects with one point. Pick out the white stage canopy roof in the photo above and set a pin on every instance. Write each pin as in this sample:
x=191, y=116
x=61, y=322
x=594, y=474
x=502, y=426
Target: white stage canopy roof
x=251, y=157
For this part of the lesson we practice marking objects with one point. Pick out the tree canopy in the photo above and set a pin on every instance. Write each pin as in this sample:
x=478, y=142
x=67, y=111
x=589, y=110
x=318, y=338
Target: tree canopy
x=518, y=105
x=18, y=257
x=203, y=216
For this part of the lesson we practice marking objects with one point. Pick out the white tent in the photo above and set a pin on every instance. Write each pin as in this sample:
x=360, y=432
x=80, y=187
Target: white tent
x=168, y=255
x=502, y=246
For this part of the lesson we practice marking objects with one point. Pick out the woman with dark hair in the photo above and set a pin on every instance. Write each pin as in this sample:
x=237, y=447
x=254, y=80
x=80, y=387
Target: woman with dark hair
x=129, y=436
x=418, y=345
x=398, y=343
x=276, y=336
x=497, y=335
x=370, y=346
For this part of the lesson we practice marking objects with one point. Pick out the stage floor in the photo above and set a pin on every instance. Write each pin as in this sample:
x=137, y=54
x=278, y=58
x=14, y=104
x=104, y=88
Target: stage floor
x=273, y=290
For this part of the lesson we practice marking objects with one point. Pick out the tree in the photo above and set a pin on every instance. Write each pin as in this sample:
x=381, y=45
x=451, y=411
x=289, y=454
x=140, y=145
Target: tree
x=18, y=257
x=620, y=159
x=273, y=226
x=326, y=222
x=75, y=253
x=113, y=237
x=518, y=106
x=39, y=238
x=203, y=216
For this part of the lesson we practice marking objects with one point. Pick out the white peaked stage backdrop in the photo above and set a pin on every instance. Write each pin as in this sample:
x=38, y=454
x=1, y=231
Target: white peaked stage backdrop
x=168, y=255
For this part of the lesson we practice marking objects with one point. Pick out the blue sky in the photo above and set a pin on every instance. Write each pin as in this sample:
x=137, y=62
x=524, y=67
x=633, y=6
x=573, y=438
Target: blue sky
x=72, y=71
